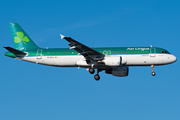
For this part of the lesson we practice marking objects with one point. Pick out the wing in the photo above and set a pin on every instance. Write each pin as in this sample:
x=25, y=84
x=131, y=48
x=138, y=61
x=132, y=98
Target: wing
x=88, y=53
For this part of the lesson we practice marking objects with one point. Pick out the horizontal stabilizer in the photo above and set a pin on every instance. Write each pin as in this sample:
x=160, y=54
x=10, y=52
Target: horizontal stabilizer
x=15, y=52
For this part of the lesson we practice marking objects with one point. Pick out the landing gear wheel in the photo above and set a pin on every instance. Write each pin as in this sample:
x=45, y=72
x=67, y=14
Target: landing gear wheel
x=91, y=70
x=153, y=73
x=97, y=77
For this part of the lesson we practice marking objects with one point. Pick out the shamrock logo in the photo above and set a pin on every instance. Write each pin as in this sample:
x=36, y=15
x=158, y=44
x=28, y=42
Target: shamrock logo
x=20, y=37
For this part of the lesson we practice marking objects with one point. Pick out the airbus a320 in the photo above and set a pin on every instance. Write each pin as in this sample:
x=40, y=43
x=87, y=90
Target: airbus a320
x=112, y=60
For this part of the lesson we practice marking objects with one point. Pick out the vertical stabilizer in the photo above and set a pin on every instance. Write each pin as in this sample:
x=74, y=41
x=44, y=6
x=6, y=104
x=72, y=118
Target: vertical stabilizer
x=20, y=39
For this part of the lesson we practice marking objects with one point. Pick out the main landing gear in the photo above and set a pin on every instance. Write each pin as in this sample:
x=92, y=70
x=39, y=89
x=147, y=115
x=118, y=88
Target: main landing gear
x=97, y=77
x=92, y=71
x=153, y=73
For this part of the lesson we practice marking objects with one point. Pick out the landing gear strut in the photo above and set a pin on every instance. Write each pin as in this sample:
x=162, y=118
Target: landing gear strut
x=97, y=77
x=153, y=73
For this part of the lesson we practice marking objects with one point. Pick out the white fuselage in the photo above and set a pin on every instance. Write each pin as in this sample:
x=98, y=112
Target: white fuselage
x=79, y=60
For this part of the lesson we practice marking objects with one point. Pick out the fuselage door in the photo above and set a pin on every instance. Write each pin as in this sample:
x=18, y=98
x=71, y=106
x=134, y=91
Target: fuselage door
x=152, y=52
x=39, y=54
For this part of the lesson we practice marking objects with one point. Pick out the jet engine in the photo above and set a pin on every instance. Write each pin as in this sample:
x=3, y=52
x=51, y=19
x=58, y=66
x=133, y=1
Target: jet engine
x=120, y=72
x=114, y=60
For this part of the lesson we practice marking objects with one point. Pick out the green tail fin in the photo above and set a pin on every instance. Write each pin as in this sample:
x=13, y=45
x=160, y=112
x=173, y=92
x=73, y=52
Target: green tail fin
x=20, y=39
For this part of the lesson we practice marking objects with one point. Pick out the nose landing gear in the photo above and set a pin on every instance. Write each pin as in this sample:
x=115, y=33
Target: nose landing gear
x=153, y=73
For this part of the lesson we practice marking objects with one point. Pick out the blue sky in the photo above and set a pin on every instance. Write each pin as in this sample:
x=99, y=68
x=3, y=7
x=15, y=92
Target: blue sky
x=30, y=91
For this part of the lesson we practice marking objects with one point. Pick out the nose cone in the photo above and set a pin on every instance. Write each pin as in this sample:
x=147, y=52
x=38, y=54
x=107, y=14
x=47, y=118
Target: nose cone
x=173, y=59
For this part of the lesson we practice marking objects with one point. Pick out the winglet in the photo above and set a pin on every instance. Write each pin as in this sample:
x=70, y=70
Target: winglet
x=62, y=36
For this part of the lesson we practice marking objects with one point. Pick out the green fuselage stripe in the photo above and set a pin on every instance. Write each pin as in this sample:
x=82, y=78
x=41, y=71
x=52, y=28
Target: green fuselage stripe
x=107, y=51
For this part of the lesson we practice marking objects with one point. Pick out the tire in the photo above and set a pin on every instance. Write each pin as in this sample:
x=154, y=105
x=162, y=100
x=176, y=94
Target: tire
x=153, y=73
x=91, y=70
x=96, y=77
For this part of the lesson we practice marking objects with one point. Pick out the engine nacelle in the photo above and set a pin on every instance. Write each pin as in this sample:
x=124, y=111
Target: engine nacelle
x=81, y=63
x=120, y=72
x=114, y=60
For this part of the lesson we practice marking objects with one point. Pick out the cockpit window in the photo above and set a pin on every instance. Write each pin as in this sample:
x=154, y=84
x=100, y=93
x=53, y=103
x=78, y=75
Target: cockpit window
x=165, y=51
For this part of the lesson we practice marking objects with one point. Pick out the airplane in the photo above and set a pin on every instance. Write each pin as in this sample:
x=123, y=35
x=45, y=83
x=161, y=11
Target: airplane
x=113, y=60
